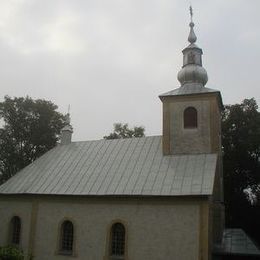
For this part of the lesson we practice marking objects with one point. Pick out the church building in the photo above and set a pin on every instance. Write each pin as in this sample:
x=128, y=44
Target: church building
x=152, y=198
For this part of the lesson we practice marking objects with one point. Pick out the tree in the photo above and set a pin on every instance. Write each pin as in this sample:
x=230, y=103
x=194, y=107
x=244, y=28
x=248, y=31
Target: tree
x=11, y=253
x=123, y=131
x=241, y=162
x=30, y=128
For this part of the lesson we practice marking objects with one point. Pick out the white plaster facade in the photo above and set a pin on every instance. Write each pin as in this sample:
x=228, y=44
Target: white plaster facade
x=155, y=229
x=8, y=209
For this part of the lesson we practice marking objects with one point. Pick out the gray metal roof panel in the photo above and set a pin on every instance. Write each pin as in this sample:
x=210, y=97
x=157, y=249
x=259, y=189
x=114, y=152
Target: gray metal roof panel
x=236, y=242
x=192, y=89
x=189, y=89
x=115, y=167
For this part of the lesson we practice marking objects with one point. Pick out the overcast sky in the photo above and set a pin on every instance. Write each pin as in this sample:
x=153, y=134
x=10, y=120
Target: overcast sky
x=110, y=59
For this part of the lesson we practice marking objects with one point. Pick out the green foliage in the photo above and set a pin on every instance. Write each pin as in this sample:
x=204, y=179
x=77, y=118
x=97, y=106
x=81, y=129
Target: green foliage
x=241, y=161
x=123, y=131
x=31, y=127
x=241, y=145
x=11, y=253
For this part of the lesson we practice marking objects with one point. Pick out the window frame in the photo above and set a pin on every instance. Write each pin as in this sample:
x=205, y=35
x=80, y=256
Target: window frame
x=15, y=232
x=61, y=250
x=190, y=121
x=108, y=255
x=117, y=256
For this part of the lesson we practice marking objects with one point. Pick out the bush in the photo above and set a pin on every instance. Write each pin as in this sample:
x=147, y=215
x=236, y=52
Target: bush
x=11, y=253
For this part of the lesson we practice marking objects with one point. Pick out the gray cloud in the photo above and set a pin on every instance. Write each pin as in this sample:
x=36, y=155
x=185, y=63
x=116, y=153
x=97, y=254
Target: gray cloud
x=111, y=59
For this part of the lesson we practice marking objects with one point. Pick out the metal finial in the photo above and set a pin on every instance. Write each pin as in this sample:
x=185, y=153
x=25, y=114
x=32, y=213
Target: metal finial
x=67, y=116
x=191, y=13
x=192, y=37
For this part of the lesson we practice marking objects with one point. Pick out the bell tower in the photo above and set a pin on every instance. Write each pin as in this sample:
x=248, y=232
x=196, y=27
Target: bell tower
x=192, y=122
x=192, y=112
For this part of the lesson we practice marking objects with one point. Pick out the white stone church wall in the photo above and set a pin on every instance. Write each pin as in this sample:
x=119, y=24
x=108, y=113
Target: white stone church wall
x=9, y=209
x=154, y=230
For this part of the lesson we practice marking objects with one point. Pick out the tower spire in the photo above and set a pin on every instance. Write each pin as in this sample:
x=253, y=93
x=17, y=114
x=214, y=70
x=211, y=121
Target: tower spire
x=66, y=131
x=192, y=37
x=191, y=13
x=192, y=72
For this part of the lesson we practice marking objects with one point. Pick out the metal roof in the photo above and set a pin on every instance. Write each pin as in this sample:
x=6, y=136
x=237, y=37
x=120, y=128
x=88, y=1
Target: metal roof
x=134, y=166
x=192, y=89
x=236, y=242
x=189, y=89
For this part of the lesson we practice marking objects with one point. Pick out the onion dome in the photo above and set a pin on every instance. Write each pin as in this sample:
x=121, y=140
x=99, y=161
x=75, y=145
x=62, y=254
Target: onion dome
x=192, y=71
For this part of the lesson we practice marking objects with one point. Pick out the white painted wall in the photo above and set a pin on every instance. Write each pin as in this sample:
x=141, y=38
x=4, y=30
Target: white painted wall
x=154, y=230
x=8, y=209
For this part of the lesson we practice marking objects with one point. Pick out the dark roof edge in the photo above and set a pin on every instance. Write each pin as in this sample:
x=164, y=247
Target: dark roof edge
x=26, y=195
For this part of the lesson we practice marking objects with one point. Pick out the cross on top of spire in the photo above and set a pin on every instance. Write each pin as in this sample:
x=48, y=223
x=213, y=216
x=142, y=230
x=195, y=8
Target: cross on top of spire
x=192, y=73
x=191, y=13
x=192, y=37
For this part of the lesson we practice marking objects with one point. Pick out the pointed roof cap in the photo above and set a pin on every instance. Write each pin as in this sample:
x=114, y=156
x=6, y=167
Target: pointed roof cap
x=192, y=36
x=192, y=76
x=67, y=126
x=192, y=72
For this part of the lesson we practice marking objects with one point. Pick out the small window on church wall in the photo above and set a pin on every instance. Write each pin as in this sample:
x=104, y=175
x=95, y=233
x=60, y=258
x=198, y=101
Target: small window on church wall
x=66, y=243
x=190, y=118
x=15, y=230
x=117, y=244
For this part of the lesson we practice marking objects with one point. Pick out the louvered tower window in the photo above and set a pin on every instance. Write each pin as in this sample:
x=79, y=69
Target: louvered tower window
x=117, y=250
x=66, y=244
x=15, y=230
x=190, y=118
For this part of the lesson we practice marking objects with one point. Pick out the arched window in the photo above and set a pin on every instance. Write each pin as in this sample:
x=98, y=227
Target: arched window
x=15, y=230
x=190, y=117
x=66, y=242
x=117, y=244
